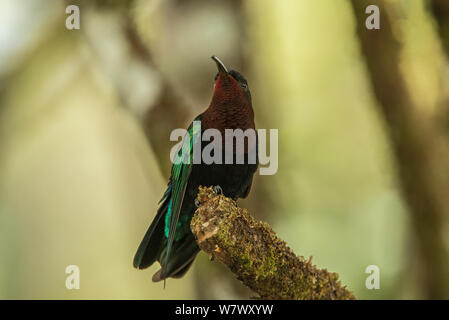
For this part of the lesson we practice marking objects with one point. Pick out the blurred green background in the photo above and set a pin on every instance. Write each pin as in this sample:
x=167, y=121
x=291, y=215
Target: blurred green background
x=85, y=117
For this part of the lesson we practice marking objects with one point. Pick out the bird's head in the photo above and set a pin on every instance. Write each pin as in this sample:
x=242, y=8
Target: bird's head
x=230, y=86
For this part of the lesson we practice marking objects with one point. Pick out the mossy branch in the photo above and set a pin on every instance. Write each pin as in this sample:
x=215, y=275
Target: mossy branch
x=253, y=252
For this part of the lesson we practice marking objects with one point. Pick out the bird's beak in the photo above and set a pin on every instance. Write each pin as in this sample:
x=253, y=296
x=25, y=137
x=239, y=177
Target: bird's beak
x=221, y=67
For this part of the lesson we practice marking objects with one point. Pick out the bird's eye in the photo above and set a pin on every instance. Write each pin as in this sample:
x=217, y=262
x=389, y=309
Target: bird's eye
x=244, y=85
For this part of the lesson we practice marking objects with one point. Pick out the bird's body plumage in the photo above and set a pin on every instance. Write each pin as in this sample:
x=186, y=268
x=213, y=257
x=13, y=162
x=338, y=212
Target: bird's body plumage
x=169, y=239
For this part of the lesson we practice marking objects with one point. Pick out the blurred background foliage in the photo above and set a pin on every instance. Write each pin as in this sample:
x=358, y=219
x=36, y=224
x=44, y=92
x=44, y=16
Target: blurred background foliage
x=85, y=118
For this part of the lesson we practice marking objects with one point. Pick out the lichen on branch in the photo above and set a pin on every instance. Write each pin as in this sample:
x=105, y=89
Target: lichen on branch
x=256, y=255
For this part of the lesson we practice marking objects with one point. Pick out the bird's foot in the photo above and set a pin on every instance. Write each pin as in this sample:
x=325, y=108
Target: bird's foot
x=217, y=189
x=197, y=203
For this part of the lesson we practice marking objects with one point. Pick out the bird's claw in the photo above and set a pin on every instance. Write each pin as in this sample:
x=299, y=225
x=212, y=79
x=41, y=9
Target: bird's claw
x=217, y=189
x=197, y=203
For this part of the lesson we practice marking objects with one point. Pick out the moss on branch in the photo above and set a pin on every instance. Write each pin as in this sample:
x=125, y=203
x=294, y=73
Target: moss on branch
x=253, y=252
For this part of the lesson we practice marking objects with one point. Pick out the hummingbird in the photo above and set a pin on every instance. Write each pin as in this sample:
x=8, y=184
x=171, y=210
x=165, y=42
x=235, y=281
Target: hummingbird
x=169, y=239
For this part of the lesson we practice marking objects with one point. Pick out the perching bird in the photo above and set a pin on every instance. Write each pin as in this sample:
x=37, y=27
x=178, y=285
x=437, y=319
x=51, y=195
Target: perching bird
x=175, y=247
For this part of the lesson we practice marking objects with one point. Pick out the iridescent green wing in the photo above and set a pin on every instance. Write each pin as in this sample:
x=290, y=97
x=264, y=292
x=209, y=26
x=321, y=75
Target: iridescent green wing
x=181, y=169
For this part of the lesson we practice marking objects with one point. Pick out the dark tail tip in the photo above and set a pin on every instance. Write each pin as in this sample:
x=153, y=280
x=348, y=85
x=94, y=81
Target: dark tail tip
x=137, y=262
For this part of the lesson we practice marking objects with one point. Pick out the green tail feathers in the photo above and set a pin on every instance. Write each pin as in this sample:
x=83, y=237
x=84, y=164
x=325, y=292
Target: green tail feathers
x=168, y=239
